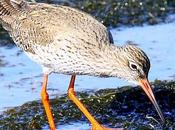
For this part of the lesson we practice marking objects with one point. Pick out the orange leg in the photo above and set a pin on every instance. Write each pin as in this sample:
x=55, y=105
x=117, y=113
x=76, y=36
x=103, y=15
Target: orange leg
x=45, y=100
x=72, y=96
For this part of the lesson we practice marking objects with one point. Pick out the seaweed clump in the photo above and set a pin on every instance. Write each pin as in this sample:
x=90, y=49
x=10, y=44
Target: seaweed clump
x=124, y=107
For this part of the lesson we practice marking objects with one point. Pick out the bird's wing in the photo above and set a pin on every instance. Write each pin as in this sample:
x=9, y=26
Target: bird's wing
x=42, y=24
x=111, y=40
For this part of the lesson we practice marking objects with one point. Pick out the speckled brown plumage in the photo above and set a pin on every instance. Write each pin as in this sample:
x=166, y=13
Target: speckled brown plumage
x=66, y=38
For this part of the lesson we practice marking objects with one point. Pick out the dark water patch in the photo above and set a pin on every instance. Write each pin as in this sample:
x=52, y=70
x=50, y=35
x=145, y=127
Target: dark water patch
x=124, y=107
x=173, y=76
x=5, y=40
x=2, y=62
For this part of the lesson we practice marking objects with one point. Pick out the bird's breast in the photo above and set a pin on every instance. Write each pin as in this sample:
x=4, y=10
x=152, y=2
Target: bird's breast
x=63, y=58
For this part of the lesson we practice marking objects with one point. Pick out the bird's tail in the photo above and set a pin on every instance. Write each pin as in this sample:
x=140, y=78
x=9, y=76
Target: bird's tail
x=9, y=9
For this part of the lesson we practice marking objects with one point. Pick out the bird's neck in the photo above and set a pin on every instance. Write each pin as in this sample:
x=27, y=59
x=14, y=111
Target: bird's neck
x=106, y=62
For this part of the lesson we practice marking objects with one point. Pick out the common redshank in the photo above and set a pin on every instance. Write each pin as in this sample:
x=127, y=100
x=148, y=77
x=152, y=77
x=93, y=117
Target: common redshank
x=68, y=41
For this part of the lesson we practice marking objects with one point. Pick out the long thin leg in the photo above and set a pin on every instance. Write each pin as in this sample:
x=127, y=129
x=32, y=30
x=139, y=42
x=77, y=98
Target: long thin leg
x=45, y=100
x=72, y=96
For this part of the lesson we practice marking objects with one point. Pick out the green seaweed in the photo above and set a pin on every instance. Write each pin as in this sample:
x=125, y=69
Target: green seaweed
x=124, y=12
x=125, y=107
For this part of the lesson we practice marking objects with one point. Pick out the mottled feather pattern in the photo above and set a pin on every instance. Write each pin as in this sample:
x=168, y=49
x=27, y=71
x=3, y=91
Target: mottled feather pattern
x=6, y=8
x=41, y=26
x=66, y=40
x=138, y=56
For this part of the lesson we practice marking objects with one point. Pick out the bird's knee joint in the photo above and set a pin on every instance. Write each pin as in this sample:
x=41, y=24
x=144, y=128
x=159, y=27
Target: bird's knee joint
x=71, y=92
x=44, y=96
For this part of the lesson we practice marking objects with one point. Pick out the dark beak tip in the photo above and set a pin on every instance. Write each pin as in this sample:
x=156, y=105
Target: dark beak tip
x=144, y=83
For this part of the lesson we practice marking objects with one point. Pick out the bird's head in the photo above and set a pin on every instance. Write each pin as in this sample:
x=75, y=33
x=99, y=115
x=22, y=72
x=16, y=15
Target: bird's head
x=136, y=67
x=136, y=63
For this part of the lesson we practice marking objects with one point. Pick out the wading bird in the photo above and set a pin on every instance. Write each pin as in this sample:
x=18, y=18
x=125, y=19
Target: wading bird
x=66, y=40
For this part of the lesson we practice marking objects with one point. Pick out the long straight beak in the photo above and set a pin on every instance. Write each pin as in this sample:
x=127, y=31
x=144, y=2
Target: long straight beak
x=144, y=83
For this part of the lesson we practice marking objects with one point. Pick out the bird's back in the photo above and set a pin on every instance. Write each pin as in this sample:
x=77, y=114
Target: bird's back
x=59, y=38
x=42, y=24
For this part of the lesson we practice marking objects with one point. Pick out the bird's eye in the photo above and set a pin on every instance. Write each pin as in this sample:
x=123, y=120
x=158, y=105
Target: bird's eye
x=133, y=66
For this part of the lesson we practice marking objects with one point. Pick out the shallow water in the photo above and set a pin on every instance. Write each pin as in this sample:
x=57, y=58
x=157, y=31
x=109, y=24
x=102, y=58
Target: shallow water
x=21, y=78
x=72, y=126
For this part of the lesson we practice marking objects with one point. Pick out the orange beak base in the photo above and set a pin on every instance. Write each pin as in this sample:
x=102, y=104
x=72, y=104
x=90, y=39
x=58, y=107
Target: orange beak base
x=148, y=90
